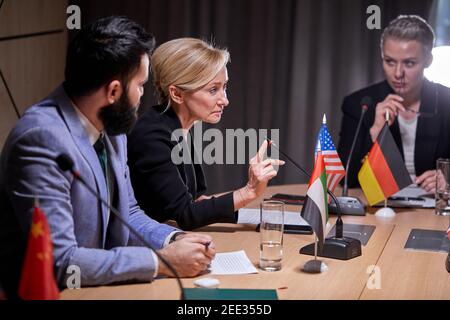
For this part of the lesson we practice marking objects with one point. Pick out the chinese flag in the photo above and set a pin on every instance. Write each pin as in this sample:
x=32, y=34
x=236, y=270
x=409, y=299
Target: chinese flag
x=38, y=281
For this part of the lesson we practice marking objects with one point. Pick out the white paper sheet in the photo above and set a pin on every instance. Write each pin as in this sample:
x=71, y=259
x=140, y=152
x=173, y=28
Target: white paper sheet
x=411, y=191
x=235, y=262
x=253, y=216
x=414, y=191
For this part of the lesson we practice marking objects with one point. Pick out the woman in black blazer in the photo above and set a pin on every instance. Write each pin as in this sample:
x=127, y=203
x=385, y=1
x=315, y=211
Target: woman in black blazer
x=190, y=77
x=411, y=100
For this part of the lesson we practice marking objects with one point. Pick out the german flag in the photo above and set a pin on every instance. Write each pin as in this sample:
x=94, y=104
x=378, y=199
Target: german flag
x=383, y=173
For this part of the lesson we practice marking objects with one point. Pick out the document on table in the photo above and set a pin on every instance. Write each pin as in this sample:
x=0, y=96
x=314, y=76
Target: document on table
x=411, y=191
x=412, y=196
x=235, y=262
x=253, y=216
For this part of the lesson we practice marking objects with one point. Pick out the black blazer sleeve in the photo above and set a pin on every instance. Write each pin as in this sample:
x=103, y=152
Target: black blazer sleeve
x=159, y=184
x=432, y=136
x=433, y=128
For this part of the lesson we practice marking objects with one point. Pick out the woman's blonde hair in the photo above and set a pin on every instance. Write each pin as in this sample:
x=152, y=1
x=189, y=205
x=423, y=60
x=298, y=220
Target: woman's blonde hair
x=187, y=63
x=409, y=28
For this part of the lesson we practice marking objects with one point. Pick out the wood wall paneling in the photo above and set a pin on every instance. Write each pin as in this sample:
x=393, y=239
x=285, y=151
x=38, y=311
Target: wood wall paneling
x=33, y=66
x=19, y=17
x=8, y=116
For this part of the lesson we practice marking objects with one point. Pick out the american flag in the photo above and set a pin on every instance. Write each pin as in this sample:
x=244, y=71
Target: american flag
x=448, y=233
x=333, y=165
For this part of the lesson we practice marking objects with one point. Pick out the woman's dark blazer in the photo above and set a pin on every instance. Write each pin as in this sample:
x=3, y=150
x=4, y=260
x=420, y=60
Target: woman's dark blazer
x=432, y=134
x=164, y=190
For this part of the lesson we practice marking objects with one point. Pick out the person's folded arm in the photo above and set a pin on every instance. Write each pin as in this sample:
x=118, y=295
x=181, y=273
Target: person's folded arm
x=31, y=169
x=160, y=189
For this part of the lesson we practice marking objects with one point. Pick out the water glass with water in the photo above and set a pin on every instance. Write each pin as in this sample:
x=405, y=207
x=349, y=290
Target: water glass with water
x=442, y=187
x=271, y=235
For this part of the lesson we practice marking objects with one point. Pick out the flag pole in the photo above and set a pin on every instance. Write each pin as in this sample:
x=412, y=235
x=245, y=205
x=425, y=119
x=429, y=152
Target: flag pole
x=314, y=266
x=315, y=247
x=385, y=212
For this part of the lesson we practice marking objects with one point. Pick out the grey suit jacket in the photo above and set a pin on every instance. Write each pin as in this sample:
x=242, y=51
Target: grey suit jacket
x=77, y=220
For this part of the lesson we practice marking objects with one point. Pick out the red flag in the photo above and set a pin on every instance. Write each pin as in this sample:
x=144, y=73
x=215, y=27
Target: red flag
x=315, y=209
x=38, y=280
x=383, y=173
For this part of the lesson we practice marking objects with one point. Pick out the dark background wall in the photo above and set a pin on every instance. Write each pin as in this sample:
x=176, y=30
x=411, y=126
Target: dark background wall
x=291, y=61
x=33, y=42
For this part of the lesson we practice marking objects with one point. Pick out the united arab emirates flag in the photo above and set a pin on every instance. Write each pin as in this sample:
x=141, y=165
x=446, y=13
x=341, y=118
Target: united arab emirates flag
x=315, y=209
x=383, y=173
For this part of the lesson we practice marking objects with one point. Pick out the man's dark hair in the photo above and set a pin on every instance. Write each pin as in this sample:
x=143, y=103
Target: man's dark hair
x=108, y=48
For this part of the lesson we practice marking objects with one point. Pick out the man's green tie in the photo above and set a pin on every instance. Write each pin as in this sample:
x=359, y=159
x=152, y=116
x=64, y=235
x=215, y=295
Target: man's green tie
x=100, y=148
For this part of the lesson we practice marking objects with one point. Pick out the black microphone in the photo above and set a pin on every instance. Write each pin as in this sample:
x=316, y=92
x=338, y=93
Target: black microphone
x=366, y=102
x=339, y=223
x=337, y=247
x=353, y=205
x=65, y=163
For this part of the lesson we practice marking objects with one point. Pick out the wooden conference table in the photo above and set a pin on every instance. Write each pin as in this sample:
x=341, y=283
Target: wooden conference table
x=405, y=274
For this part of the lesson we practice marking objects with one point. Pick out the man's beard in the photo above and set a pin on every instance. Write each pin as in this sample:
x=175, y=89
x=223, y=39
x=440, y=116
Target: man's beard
x=119, y=117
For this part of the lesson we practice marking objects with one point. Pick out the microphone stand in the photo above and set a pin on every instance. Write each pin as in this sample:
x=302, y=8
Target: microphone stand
x=66, y=164
x=337, y=247
x=352, y=205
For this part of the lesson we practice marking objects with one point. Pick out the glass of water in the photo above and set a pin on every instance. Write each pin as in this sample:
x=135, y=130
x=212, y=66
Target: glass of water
x=442, y=187
x=271, y=235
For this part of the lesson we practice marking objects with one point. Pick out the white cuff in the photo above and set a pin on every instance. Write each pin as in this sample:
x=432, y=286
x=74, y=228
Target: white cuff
x=155, y=258
x=169, y=237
